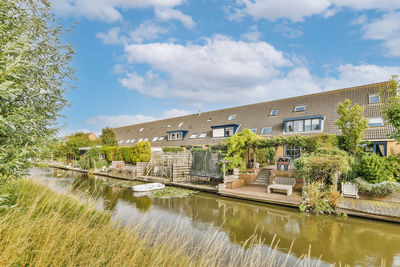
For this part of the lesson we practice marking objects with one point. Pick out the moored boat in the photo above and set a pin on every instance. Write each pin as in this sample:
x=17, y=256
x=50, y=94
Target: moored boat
x=148, y=187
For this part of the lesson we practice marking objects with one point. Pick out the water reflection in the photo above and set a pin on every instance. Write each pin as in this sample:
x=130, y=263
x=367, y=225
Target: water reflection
x=348, y=240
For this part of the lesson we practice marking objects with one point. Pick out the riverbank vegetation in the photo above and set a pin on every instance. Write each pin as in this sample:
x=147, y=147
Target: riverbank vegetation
x=39, y=227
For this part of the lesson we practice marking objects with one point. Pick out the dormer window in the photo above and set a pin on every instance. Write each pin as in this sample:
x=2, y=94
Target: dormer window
x=141, y=129
x=176, y=135
x=232, y=117
x=374, y=98
x=300, y=108
x=375, y=122
x=180, y=124
x=273, y=112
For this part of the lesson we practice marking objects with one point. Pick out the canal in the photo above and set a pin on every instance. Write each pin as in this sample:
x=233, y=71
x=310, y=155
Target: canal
x=353, y=241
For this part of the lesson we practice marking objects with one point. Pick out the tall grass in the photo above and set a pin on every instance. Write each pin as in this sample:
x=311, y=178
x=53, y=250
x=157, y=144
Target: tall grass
x=41, y=228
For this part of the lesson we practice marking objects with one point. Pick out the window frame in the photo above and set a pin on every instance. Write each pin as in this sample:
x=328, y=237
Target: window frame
x=372, y=96
x=193, y=136
x=299, y=106
x=155, y=139
x=203, y=135
x=254, y=130
x=270, y=130
x=272, y=113
x=232, y=117
x=141, y=129
x=373, y=125
x=314, y=127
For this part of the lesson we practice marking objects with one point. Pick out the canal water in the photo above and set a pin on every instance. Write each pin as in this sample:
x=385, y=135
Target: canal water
x=353, y=241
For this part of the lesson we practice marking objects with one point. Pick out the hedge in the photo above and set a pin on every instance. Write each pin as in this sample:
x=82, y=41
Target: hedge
x=131, y=155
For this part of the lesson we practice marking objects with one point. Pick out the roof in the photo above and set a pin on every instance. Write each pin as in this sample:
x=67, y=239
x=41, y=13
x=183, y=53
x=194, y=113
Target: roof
x=257, y=116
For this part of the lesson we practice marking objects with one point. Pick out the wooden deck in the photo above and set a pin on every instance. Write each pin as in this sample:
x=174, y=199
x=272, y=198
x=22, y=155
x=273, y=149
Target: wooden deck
x=259, y=193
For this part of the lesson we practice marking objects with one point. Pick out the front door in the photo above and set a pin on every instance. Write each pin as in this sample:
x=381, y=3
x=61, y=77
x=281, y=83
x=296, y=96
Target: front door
x=292, y=152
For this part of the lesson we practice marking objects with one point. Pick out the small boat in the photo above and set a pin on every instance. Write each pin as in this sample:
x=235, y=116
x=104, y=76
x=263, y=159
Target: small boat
x=147, y=187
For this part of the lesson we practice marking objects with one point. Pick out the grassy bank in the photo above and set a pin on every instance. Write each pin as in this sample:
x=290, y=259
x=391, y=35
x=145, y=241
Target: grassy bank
x=41, y=228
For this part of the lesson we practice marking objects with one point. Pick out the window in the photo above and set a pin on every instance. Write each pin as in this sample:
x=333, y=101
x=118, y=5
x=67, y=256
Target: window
x=229, y=131
x=379, y=148
x=202, y=135
x=266, y=130
x=155, y=138
x=175, y=135
x=273, y=112
x=303, y=125
x=141, y=129
x=180, y=124
x=375, y=122
x=209, y=119
x=218, y=132
x=232, y=117
x=254, y=130
x=127, y=141
x=299, y=108
x=121, y=141
x=146, y=139
x=132, y=140
x=169, y=125
x=374, y=98
x=140, y=140
x=292, y=152
x=193, y=136
x=161, y=138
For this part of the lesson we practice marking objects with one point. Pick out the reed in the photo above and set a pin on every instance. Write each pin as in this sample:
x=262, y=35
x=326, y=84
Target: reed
x=39, y=227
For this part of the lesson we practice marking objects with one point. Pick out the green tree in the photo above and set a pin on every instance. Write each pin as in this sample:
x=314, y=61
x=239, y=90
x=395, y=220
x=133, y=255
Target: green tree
x=391, y=106
x=352, y=123
x=108, y=137
x=34, y=69
x=72, y=144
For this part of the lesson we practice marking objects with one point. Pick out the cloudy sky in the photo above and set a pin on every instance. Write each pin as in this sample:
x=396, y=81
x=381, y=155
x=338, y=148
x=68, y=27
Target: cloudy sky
x=141, y=60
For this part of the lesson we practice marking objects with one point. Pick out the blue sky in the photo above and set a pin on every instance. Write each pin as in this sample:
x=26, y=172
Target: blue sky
x=142, y=60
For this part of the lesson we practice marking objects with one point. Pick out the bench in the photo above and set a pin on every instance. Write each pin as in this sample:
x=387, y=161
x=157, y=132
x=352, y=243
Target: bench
x=282, y=183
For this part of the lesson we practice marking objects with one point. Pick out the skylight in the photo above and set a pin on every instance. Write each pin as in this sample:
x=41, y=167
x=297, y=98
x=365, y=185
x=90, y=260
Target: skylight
x=254, y=130
x=375, y=122
x=374, y=98
x=300, y=108
x=141, y=129
x=127, y=141
x=232, y=117
x=193, y=136
x=140, y=140
x=203, y=135
x=146, y=139
x=155, y=138
x=266, y=130
x=180, y=124
x=209, y=119
x=161, y=138
x=121, y=141
x=273, y=112
x=132, y=140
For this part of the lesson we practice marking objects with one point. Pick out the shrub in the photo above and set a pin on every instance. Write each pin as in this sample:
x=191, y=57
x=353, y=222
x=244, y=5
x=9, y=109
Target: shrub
x=88, y=159
x=266, y=155
x=142, y=152
x=374, y=169
x=324, y=165
x=319, y=199
x=394, y=166
x=381, y=189
x=172, y=149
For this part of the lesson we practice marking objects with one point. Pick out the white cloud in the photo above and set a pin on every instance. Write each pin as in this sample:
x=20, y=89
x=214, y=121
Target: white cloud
x=169, y=13
x=105, y=10
x=102, y=121
x=253, y=34
x=175, y=113
x=110, y=37
x=351, y=75
x=294, y=10
x=386, y=29
x=146, y=31
x=288, y=31
x=224, y=70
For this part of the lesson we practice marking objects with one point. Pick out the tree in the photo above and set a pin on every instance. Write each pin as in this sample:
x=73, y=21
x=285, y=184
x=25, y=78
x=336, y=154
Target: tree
x=352, y=123
x=72, y=144
x=391, y=106
x=34, y=69
x=108, y=137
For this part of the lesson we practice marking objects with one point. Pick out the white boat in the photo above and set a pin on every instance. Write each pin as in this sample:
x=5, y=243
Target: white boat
x=147, y=187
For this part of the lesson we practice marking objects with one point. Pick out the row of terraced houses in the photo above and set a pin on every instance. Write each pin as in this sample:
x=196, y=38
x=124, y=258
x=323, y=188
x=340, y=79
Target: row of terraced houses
x=302, y=115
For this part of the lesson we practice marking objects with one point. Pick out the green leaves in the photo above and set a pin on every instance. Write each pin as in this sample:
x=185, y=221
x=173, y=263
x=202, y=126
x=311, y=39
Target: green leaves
x=34, y=66
x=108, y=137
x=391, y=106
x=352, y=124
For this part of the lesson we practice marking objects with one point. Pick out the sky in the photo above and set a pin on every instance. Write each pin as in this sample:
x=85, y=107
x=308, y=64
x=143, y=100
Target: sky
x=143, y=60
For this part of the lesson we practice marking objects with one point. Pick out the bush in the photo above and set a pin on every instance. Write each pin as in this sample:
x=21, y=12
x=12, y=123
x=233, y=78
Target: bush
x=324, y=165
x=374, y=169
x=172, y=149
x=394, y=166
x=266, y=155
x=88, y=159
x=381, y=189
x=319, y=199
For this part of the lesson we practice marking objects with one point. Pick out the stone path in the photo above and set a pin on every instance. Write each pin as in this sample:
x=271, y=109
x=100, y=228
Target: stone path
x=372, y=207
